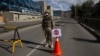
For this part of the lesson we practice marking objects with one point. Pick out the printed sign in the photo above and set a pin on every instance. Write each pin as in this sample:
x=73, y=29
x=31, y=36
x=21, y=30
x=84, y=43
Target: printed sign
x=56, y=33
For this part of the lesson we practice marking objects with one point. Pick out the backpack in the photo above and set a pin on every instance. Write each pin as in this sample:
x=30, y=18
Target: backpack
x=46, y=21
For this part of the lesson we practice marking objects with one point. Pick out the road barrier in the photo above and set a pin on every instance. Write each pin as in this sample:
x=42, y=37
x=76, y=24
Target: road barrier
x=14, y=40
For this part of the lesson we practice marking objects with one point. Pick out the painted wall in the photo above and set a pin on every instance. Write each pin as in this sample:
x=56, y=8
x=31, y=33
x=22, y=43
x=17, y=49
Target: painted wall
x=1, y=19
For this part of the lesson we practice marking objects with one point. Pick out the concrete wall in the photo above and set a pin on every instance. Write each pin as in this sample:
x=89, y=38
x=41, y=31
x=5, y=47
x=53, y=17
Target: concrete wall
x=25, y=17
x=11, y=16
x=7, y=16
x=15, y=17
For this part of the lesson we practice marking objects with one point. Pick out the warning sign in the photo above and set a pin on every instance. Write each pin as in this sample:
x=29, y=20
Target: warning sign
x=56, y=33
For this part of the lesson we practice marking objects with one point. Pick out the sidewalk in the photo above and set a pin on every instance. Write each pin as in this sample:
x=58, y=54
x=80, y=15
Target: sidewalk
x=92, y=31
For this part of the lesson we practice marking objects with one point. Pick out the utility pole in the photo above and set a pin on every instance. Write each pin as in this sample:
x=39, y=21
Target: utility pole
x=76, y=11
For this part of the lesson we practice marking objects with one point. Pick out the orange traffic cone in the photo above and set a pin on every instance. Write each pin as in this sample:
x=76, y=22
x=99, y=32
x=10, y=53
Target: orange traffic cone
x=57, y=51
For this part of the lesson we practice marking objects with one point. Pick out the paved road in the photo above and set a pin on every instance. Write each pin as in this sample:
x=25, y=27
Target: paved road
x=20, y=24
x=76, y=41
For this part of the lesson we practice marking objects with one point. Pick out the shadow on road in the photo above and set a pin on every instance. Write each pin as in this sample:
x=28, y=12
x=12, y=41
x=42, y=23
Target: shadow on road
x=86, y=40
x=31, y=42
x=6, y=47
x=92, y=32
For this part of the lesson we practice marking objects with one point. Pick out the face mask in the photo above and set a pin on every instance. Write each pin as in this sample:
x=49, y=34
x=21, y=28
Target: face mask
x=46, y=14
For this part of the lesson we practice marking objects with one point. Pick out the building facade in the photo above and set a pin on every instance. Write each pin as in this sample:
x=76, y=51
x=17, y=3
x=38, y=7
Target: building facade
x=17, y=16
x=22, y=10
x=43, y=6
x=29, y=6
x=50, y=10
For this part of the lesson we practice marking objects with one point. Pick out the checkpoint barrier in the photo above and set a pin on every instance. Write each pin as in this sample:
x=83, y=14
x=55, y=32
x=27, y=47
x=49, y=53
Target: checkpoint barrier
x=10, y=27
x=14, y=44
x=14, y=40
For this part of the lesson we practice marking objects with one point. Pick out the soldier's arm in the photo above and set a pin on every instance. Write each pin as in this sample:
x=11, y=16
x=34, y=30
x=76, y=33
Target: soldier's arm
x=42, y=21
x=52, y=22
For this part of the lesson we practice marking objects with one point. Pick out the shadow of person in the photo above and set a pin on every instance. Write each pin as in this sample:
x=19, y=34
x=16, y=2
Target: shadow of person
x=31, y=42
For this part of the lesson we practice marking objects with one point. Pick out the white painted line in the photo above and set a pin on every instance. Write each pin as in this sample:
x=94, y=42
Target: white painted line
x=32, y=51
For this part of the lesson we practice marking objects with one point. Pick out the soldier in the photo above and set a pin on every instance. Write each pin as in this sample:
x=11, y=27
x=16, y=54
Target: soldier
x=48, y=25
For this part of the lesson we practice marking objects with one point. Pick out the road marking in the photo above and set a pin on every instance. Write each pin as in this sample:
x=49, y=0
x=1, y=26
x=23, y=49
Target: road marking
x=32, y=51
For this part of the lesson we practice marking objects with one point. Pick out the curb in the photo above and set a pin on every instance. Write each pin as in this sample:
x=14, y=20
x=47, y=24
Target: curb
x=92, y=31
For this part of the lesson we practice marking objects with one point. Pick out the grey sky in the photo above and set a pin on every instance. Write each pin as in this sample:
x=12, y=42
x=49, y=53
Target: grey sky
x=64, y=4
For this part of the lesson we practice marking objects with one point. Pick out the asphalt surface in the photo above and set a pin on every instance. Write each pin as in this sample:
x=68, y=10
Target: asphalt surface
x=20, y=24
x=75, y=41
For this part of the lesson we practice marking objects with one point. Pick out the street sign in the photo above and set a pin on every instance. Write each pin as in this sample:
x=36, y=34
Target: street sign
x=56, y=33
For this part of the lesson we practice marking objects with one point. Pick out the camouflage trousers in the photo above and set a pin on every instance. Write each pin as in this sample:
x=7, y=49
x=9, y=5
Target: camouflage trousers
x=48, y=37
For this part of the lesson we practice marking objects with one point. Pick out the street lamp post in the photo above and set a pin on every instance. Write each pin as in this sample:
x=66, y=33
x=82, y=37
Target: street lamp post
x=76, y=11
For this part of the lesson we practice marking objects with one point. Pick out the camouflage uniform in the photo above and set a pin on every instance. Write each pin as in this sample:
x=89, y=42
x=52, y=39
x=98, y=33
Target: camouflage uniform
x=48, y=25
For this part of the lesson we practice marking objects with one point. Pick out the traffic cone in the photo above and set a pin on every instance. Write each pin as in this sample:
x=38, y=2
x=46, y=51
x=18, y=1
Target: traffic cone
x=57, y=50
